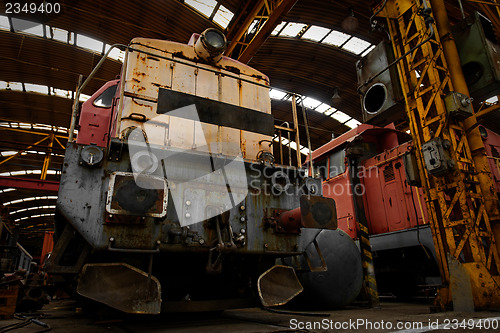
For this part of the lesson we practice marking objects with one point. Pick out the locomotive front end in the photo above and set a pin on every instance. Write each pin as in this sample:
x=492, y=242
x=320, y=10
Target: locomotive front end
x=176, y=195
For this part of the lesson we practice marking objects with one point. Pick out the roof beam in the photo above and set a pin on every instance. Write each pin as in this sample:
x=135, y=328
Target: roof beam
x=29, y=184
x=269, y=14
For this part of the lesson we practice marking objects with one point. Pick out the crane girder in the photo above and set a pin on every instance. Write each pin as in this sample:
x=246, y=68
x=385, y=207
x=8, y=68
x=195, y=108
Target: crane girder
x=461, y=201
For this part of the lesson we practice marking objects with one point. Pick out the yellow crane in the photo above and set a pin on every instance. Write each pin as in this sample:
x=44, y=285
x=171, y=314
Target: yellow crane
x=460, y=195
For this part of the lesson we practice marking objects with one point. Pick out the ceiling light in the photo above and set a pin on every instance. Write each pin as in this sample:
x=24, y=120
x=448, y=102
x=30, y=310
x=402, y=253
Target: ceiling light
x=336, y=99
x=350, y=23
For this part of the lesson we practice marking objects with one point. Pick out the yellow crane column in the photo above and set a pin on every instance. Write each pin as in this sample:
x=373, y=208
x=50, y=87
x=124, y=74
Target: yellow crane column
x=459, y=194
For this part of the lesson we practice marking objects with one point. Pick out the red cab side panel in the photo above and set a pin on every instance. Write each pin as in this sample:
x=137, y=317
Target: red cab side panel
x=95, y=116
x=390, y=202
x=339, y=188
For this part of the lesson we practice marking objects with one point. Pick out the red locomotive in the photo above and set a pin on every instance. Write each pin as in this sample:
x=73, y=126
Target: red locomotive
x=400, y=236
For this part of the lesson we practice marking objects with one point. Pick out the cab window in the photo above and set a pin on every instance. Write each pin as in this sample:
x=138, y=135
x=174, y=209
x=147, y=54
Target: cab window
x=321, y=169
x=105, y=100
x=337, y=164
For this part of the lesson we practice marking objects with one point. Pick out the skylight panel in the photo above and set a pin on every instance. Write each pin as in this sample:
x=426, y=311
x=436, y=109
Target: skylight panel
x=223, y=17
x=26, y=26
x=38, y=153
x=32, y=208
x=252, y=26
x=356, y=45
x=20, y=24
x=30, y=87
x=46, y=197
x=292, y=29
x=353, y=123
x=315, y=33
x=492, y=100
x=89, y=43
x=60, y=92
x=206, y=7
x=336, y=38
x=33, y=216
x=276, y=94
x=292, y=144
x=278, y=28
x=283, y=140
x=322, y=107
x=4, y=23
x=367, y=50
x=330, y=111
x=59, y=34
x=340, y=116
x=36, y=30
x=8, y=153
x=84, y=97
x=115, y=53
x=28, y=172
x=311, y=103
x=34, y=126
x=298, y=98
x=14, y=86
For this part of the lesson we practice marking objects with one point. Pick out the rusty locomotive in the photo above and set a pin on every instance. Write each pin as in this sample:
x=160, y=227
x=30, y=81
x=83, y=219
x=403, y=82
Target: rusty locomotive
x=170, y=199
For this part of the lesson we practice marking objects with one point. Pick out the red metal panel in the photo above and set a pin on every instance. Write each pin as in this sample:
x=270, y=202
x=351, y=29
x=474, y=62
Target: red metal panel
x=388, y=198
x=394, y=206
x=94, y=121
x=339, y=188
x=48, y=245
x=374, y=205
x=28, y=183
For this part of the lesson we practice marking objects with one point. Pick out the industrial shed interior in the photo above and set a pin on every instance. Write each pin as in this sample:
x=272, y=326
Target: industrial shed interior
x=321, y=58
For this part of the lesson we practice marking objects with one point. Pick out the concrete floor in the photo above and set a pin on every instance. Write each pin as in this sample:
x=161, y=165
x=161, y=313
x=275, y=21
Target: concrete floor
x=63, y=316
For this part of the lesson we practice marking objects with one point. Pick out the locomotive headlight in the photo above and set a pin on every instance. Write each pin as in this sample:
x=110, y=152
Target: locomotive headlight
x=210, y=45
x=214, y=39
x=91, y=156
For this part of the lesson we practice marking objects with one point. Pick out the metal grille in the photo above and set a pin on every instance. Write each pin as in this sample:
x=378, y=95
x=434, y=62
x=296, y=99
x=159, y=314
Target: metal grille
x=389, y=173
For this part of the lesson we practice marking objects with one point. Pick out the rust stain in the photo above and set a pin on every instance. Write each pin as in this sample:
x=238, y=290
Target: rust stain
x=141, y=104
x=243, y=145
x=258, y=77
x=160, y=85
x=233, y=69
x=181, y=55
x=153, y=58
